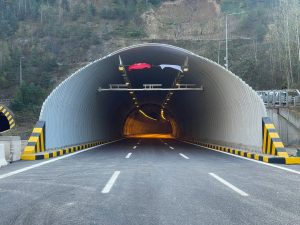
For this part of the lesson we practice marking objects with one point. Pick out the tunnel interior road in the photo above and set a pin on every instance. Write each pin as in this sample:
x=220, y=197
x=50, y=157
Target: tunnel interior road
x=227, y=112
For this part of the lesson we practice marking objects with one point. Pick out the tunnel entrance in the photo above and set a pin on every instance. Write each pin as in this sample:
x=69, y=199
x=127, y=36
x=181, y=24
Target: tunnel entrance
x=4, y=123
x=149, y=121
x=84, y=108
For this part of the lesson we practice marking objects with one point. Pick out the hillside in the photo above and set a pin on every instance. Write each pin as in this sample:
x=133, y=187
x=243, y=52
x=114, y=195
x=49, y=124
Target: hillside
x=53, y=38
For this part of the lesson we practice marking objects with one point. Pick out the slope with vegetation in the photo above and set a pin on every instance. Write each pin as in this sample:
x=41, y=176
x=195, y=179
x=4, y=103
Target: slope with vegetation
x=52, y=38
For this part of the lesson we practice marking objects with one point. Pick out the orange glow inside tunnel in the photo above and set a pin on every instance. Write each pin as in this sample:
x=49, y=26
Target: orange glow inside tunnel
x=148, y=123
x=152, y=136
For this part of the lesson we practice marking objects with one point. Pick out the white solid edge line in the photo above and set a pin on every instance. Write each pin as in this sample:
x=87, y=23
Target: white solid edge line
x=252, y=160
x=184, y=156
x=231, y=186
x=51, y=161
x=171, y=147
x=128, y=155
x=111, y=182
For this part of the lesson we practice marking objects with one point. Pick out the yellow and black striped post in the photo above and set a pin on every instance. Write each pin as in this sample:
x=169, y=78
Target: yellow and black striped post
x=7, y=121
x=272, y=143
x=36, y=142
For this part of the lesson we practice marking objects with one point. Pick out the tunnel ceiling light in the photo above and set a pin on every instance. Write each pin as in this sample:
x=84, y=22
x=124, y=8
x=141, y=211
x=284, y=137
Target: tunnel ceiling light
x=162, y=115
x=145, y=115
x=121, y=69
x=121, y=66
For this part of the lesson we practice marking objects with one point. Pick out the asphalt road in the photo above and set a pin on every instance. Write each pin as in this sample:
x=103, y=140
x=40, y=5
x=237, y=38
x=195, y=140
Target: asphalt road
x=161, y=182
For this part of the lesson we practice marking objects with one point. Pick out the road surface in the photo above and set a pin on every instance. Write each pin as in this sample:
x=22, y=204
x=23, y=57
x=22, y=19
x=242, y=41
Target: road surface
x=148, y=182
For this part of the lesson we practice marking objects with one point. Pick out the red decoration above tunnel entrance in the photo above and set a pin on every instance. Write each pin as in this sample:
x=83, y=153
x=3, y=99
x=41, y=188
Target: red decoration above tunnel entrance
x=143, y=65
x=139, y=66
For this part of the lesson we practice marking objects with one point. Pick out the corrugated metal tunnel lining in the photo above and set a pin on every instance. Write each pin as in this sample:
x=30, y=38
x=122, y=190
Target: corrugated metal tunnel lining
x=227, y=112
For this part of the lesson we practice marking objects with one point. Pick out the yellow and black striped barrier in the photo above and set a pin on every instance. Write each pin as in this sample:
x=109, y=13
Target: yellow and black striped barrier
x=36, y=142
x=36, y=149
x=272, y=143
x=63, y=151
x=7, y=121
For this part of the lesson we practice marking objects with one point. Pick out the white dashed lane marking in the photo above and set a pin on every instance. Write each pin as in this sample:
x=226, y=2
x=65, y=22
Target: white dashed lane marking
x=111, y=182
x=184, y=156
x=128, y=155
x=226, y=183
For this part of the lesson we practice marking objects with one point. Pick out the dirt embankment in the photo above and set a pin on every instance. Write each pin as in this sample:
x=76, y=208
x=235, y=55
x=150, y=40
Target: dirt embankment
x=184, y=19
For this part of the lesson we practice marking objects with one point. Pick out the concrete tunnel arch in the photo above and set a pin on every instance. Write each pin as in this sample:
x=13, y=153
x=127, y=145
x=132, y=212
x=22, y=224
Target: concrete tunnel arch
x=227, y=112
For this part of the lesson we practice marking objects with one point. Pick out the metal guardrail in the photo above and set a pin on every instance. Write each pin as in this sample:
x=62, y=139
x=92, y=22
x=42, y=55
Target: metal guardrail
x=280, y=98
x=152, y=87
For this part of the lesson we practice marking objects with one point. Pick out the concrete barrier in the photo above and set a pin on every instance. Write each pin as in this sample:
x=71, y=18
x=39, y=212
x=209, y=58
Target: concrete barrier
x=12, y=147
x=3, y=162
x=288, y=125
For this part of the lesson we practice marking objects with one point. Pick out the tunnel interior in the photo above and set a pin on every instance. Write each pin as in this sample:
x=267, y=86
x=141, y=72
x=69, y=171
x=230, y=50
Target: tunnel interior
x=4, y=123
x=227, y=111
x=150, y=121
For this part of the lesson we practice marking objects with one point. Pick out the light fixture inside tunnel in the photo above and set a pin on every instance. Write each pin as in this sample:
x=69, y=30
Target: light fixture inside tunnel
x=185, y=69
x=162, y=114
x=145, y=115
x=121, y=66
x=176, y=84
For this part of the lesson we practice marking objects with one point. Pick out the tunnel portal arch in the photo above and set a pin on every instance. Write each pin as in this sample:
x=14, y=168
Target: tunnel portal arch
x=228, y=111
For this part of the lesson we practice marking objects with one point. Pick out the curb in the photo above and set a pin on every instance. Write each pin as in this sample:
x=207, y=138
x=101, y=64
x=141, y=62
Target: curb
x=61, y=152
x=250, y=155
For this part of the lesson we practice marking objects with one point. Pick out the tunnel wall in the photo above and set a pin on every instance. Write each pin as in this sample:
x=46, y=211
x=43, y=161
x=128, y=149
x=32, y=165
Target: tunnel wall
x=227, y=112
x=75, y=113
